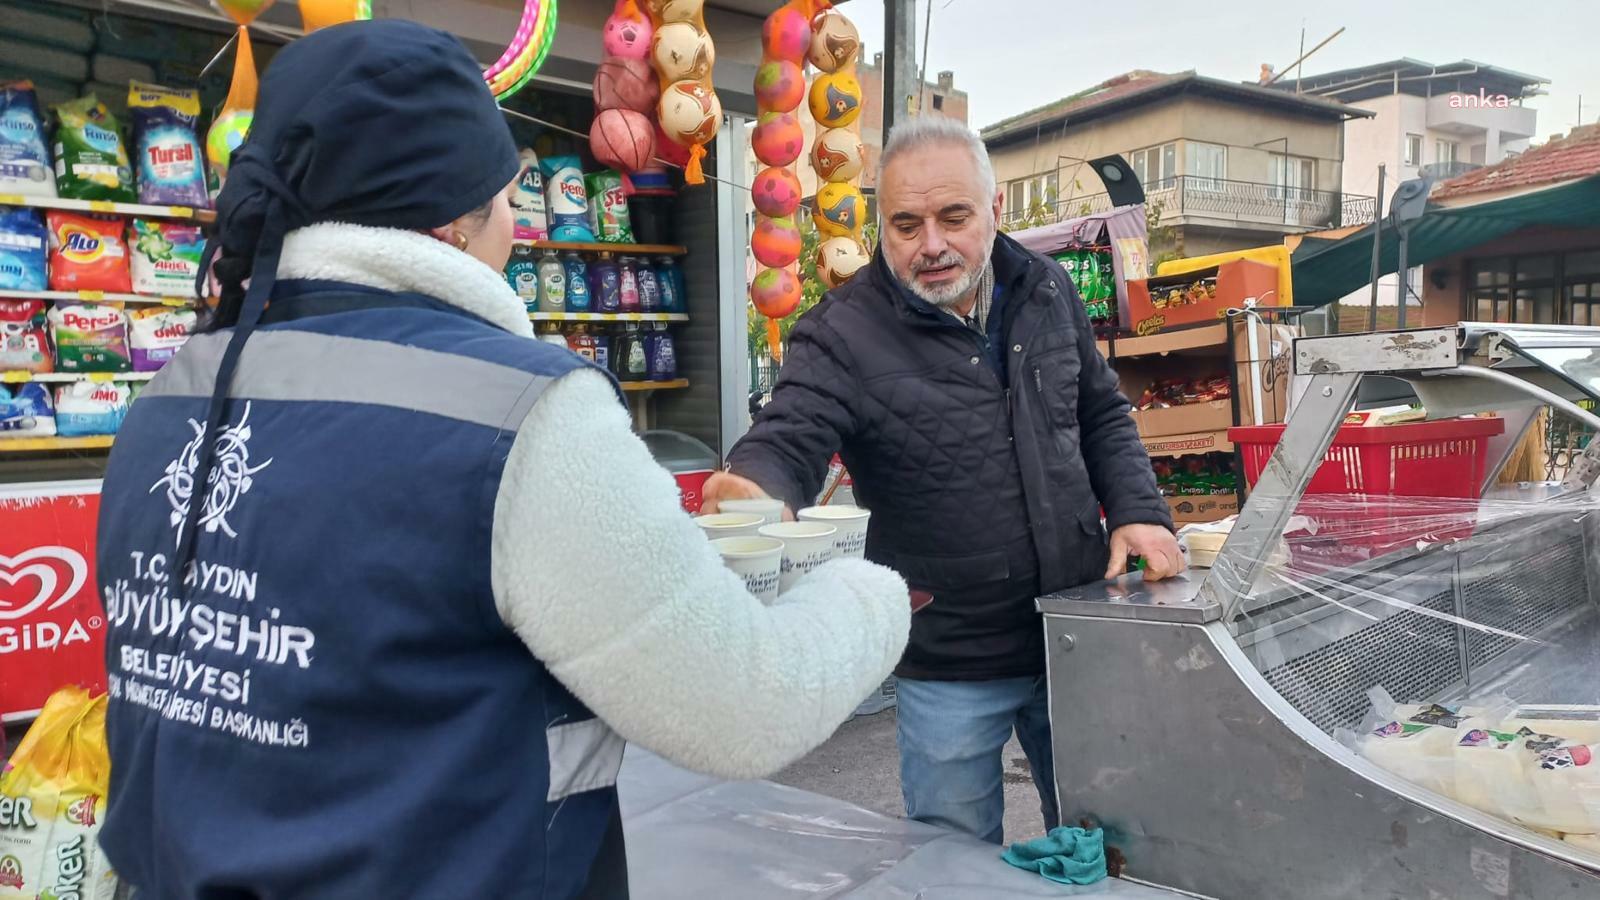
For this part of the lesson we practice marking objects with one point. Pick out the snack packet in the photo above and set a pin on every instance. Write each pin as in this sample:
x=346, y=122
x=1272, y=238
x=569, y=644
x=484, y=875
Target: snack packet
x=26, y=412
x=156, y=334
x=90, y=338
x=24, y=337
x=87, y=253
x=166, y=257
x=171, y=164
x=24, y=156
x=91, y=161
x=22, y=250
x=88, y=408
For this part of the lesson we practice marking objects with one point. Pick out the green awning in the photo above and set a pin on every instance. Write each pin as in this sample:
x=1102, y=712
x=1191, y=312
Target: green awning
x=1325, y=270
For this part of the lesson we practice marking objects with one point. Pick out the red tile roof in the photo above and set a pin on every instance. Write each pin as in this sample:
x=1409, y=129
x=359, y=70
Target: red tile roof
x=1564, y=159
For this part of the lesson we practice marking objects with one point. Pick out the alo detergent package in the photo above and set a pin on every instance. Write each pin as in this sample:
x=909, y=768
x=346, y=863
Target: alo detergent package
x=157, y=333
x=22, y=250
x=88, y=408
x=91, y=161
x=24, y=337
x=25, y=413
x=171, y=164
x=90, y=338
x=87, y=253
x=165, y=257
x=569, y=200
x=24, y=156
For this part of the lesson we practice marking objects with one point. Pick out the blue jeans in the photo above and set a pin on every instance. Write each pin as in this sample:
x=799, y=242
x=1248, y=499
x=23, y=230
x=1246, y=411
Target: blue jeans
x=951, y=736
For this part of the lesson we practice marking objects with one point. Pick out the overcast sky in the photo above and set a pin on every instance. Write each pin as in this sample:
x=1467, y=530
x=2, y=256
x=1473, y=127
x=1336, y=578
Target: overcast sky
x=1013, y=55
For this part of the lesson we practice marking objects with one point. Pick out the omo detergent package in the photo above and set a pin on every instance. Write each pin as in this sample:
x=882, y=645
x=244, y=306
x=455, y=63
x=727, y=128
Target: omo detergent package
x=171, y=164
x=157, y=333
x=24, y=155
x=165, y=257
x=91, y=161
x=568, y=205
x=90, y=338
x=24, y=337
x=89, y=408
x=530, y=218
x=22, y=250
x=87, y=253
x=25, y=413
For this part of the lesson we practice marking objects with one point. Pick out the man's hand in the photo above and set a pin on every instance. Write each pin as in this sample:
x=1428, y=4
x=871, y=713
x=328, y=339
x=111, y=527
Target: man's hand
x=728, y=486
x=1152, y=543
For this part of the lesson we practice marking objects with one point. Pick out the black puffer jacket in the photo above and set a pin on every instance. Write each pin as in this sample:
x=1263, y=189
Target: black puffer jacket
x=984, y=491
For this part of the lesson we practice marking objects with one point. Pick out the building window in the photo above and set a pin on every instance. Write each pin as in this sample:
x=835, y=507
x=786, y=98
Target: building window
x=1446, y=152
x=1581, y=287
x=1292, y=177
x=1206, y=165
x=1413, y=149
x=938, y=102
x=1156, y=166
x=1536, y=288
x=1034, y=195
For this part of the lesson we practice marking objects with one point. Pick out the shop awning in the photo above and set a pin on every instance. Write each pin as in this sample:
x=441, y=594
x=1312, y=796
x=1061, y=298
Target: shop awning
x=1327, y=269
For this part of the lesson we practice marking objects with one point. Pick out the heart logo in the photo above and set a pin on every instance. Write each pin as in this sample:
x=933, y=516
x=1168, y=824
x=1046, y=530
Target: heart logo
x=46, y=564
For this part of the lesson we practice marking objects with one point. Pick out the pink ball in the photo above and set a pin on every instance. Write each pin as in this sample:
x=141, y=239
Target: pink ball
x=776, y=242
x=622, y=139
x=786, y=35
x=780, y=86
x=778, y=138
x=775, y=192
x=628, y=38
x=625, y=83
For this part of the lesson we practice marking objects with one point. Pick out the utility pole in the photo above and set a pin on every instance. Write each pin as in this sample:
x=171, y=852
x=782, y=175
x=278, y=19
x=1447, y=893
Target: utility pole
x=900, y=87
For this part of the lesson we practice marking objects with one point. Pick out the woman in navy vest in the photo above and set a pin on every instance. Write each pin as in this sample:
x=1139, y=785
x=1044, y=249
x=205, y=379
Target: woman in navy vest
x=431, y=581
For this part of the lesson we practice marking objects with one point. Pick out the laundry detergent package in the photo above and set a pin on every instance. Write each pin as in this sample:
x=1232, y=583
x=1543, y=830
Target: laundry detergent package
x=156, y=333
x=164, y=258
x=87, y=408
x=610, y=207
x=530, y=220
x=91, y=160
x=24, y=155
x=22, y=250
x=568, y=205
x=171, y=164
x=24, y=337
x=90, y=338
x=87, y=253
x=25, y=412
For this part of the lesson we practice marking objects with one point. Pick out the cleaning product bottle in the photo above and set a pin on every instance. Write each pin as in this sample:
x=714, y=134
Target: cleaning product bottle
x=550, y=333
x=578, y=299
x=606, y=284
x=649, y=286
x=629, y=285
x=667, y=275
x=635, y=364
x=523, y=273
x=552, y=284
x=664, y=359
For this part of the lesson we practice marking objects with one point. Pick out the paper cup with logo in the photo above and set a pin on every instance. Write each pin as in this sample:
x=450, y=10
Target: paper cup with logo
x=851, y=541
x=806, y=545
x=722, y=525
x=767, y=508
x=758, y=560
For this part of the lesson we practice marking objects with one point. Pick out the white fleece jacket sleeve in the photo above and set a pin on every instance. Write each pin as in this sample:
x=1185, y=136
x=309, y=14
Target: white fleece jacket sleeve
x=614, y=588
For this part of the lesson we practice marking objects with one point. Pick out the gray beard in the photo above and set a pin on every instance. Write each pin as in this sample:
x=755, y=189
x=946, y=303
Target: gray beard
x=951, y=294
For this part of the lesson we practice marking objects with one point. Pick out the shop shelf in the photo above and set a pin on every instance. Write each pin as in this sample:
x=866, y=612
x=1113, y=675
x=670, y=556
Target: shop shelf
x=204, y=216
x=45, y=444
x=22, y=377
x=598, y=247
x=1177, y=341
x=94, y=297
x=632, y=386
x=1185, y=444
x=608, y=317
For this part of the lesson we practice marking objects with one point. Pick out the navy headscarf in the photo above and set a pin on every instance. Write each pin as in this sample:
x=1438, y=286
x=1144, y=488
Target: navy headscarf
x=384, y=123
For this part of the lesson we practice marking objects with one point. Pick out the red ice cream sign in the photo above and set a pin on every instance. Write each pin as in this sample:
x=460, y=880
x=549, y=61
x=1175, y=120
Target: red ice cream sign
x=52, y=628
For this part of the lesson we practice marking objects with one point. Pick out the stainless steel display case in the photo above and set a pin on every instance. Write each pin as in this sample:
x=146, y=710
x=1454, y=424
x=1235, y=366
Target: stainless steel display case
x=1197, y=718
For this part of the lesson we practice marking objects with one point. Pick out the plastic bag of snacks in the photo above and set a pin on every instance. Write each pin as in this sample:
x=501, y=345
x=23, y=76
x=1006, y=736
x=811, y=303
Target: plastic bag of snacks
x=88, y=253
x=91, y=161
x=24, y=156
x=24, y=413
x=22, y=250
x=24, y=337
x=54, y=791
x=171, y=165
x=88, y=408
x=155, y=334
x=90, y=338
x=166, y=257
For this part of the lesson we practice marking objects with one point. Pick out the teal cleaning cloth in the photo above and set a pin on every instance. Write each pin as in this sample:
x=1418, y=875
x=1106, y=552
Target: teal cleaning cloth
x=1065, y=855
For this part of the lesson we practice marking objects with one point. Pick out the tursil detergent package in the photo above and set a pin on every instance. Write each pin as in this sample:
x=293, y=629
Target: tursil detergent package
x=171, y=164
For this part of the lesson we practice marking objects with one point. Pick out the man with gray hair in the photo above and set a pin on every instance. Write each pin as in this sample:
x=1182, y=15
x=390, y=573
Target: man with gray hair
x=957, y=378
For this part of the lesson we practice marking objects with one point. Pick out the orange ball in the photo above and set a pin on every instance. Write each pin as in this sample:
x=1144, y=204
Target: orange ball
x=775, y=292
x=776, y=242
x=786, y=35
x=778, y=138
x=780, y=86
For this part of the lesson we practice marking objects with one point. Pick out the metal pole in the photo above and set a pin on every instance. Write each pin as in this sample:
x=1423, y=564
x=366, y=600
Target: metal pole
x=1377, y=247
x=899, y=60
x=1403, y=232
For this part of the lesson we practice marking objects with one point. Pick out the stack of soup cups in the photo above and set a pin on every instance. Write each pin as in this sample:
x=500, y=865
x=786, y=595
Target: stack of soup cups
x=771, y=554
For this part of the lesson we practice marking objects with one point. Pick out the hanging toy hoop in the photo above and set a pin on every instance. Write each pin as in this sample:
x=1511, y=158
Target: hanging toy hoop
x=527, y=51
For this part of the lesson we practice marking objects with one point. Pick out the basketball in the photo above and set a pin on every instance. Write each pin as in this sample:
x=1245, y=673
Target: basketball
x=623, y=83
x=622, y=139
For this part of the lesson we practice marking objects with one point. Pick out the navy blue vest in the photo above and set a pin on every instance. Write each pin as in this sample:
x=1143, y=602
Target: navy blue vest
x=331, y=706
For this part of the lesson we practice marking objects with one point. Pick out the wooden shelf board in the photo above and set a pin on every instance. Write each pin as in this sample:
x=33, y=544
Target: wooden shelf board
x=602, y=247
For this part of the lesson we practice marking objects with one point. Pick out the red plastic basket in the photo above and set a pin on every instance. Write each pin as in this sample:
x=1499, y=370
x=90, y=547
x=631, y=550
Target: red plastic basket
x=1420, y=459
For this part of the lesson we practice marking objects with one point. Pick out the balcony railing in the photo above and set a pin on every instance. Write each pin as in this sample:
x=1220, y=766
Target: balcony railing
x=1444, y=171
x=1244, y=202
